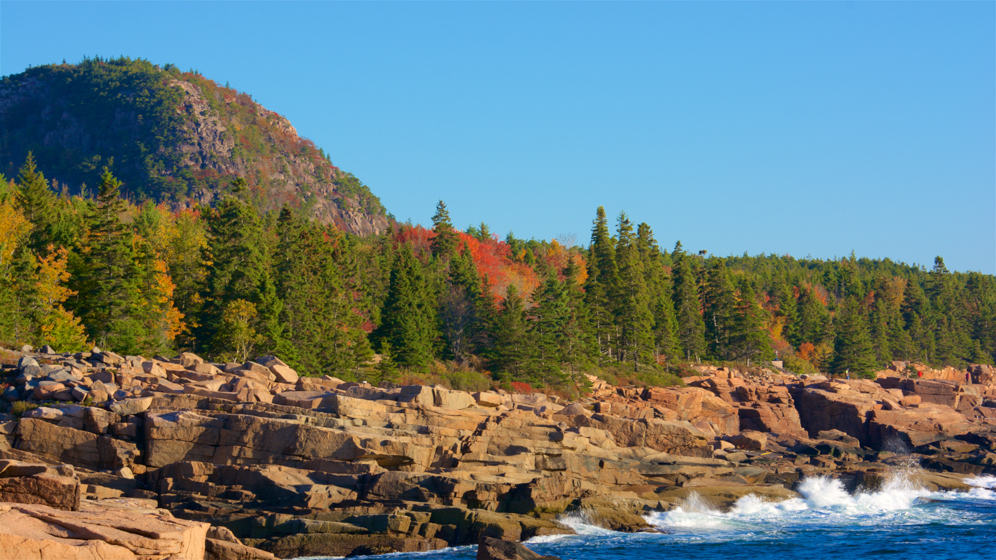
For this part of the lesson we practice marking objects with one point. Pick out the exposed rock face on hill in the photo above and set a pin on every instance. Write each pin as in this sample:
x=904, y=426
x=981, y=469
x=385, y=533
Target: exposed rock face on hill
x=174, y=137
x=315, y=466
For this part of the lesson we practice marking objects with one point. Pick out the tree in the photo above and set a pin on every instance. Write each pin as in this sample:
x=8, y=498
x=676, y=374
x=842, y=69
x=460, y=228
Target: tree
x=601, y=282
x=459, y=306
x=408, y=313
x=110, y=285
x=852, y=350
x=512, y=351
x=719, y=301
x=239, y=268
x=691, y=327
x=632, y=312
x=37, y=204
x=444, y=241
x=237, y=333
x=748, y=339
x=659, y=288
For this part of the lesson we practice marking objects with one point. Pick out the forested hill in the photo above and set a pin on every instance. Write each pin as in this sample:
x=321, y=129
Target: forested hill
x=171, y=136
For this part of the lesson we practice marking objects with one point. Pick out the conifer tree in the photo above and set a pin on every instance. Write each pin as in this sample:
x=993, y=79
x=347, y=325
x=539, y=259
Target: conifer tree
x=37, y=204
x=852, y=351
x=578, y=346
x=111, y=285
x=408, y=317
x=691, y=327
x=659, y=288
x=633, y=316
x=512, y=351
x=748, y=339
x=445, y=240
x=240, y=269
x=601, y=282
x=719, y=303
x=460, y=303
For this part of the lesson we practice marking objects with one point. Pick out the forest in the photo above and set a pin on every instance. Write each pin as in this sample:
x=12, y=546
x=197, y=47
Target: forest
x=464, y=308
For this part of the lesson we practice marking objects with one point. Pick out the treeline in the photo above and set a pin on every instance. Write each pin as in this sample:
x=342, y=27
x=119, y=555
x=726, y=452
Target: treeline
x=230, y=284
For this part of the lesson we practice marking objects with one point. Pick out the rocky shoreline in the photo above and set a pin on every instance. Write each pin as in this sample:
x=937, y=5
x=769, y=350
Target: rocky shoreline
x=128, y=457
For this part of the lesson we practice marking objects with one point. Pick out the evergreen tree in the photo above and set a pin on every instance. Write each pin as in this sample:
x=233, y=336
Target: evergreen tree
x=665, y=331
x=813, y=320
x=460, y=303
x=445, y=240
x=37, y=203
x=633, y=317
x=601, y=283
x=239, y=270
x=691, y=327
x=111, y=285
x=512, y=351
x=409, y=322
x=720, y=308
x=748, y=338
x=852, y=350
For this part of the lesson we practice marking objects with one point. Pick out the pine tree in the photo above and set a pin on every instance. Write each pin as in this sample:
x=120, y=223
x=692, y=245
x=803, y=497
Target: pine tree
x=852, y=350
x=512, y=351
x=748, y=339
x=633, y=317
x=459, y=308
x=409, y=321
x=37, y=204
x=239, y=269
x=445, y=240
x=665, y=331
x=601, y=282
x=110, y=298
x=720, y=310
x=578, y=346
x=691, y=327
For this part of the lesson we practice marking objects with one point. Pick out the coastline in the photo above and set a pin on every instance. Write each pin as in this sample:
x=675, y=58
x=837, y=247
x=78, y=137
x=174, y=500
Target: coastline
x=299, y=467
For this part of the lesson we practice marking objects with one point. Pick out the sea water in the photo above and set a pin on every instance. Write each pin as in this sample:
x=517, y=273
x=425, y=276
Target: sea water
x=899, y=520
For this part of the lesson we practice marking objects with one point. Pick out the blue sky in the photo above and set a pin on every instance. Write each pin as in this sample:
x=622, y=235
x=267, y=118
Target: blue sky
x=798, y=128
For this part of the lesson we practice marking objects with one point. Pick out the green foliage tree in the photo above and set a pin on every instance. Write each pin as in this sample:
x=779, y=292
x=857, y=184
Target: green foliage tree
x=852, y=351
x=691, y=327
x=633, y=314
x=409, y=322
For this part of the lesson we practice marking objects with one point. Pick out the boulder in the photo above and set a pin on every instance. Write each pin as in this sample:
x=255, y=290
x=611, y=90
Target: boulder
x=497, y=549
x=97, y=532
x=131, y=406
x=28, y=483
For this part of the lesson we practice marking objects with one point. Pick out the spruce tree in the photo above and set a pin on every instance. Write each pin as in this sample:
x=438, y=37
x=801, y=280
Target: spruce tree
x=459, y=309
x=633, y=317
x=512, y=351
x=601, y=283
x=445, y=240
x=238, y=251
x=660, y=290
x=408, y=317
x=852, y=350
x=111, y=285
x=37, y=203
x=748, y=337
x=691, y=327
x=719, y=303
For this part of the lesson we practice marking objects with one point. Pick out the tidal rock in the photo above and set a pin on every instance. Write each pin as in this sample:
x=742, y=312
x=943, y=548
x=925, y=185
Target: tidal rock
x=497, y=549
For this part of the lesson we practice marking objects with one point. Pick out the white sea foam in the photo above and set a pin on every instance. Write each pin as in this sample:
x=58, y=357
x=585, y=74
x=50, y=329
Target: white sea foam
x=985, y=481
x=823, y=499
x=580, y=522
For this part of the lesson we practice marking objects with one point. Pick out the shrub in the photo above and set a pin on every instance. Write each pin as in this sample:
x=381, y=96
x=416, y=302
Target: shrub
x=20, y=407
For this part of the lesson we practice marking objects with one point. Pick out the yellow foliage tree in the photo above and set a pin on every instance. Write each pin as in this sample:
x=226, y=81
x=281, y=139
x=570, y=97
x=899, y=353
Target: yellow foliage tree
x=57, y=327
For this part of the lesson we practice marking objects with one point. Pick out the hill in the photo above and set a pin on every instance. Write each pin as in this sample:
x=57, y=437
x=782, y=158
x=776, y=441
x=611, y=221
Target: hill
x=173, y=137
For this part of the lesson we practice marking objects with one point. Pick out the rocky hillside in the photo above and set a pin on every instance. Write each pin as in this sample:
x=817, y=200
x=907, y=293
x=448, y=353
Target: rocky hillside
x=288, y=466
x=171, y=136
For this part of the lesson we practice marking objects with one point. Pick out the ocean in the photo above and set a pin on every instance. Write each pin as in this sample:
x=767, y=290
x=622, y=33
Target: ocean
x=898, y=520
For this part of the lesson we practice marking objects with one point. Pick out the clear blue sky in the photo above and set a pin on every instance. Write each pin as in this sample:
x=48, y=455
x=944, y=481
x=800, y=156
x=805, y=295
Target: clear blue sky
x=771, y=127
